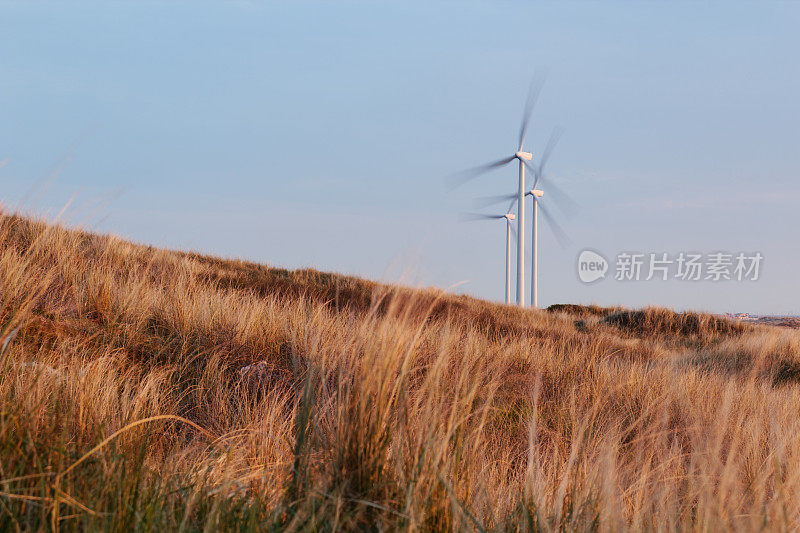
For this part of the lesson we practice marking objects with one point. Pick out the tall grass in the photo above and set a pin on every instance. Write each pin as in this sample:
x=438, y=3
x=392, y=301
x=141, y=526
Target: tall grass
x=155, y=390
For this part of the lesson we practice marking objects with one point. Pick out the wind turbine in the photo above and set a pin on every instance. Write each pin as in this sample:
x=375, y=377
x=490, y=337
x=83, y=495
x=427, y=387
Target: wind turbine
x=523, y=157
x=561, y=198
x=509, y=217
x=536, y=194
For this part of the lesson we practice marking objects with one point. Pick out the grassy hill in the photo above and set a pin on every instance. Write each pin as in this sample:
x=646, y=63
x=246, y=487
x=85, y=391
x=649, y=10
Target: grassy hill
x=148, y=389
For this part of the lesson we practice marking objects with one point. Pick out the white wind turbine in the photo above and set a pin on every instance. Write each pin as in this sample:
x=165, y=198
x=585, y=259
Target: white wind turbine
x=537, y=194
x=523, y=157
x=509, y=218
x=561, y=198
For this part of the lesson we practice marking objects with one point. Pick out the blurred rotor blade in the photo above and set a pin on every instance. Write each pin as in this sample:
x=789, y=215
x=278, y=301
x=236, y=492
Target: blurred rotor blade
x=562, y=199
x=559, y=233
x=513, y=231
x=555, y=136
x=513, y=201
x=533, y=95
x=460, y=178
x=546, y=153
x=468, y=217
x=486, y=201
x=565, y=203
x=534, y=171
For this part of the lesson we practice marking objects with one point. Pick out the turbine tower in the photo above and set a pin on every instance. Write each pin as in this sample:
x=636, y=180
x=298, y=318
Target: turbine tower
x=509, y=218
x=536, y=193
x=522, y=156
x=509, y=230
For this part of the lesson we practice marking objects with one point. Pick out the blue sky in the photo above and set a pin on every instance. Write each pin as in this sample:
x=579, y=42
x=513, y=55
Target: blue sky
x=318, y=133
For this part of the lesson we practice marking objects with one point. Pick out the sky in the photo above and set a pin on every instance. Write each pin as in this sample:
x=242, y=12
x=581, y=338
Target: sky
x=318, y=134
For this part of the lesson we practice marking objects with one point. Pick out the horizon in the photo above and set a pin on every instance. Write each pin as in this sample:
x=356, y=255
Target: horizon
x=318, y=135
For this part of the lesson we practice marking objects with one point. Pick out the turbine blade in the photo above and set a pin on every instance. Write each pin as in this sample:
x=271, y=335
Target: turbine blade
x=533, y=95
x=511, y=205
x=562, y=199
x=486, y=201
x=558, y=232
x=565, y=203
x=534, y=171
x=555, y=136
x=513, y=231
x=460, y=178
x=469, y=217
x=546, y=153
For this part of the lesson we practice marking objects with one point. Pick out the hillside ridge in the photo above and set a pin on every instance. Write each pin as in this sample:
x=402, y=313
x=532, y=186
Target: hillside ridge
x=152, y=389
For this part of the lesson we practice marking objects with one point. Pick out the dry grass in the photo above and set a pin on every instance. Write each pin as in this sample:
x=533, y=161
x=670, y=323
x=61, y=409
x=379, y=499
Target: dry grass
x=155, y=390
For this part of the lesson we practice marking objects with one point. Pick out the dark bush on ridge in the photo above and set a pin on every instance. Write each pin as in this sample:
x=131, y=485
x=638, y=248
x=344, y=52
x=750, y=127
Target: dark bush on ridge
x=665, y=322
x=582, y=310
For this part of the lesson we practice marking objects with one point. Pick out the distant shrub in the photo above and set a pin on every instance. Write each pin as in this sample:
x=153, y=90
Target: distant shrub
x=582, y=310
x=658, y=321
x=787, y=372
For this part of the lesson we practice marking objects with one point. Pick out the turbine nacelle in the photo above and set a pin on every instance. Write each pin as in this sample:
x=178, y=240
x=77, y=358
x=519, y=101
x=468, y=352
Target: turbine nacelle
x=509, y=216
x=526, y=156
x=535, y=192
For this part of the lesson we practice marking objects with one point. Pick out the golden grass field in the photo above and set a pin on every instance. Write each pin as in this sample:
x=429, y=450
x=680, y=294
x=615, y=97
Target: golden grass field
x=156, y=390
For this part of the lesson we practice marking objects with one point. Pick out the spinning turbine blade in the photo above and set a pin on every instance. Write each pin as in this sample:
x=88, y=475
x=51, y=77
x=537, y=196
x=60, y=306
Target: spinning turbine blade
x=467, y=217
x=533, y=170
x=563, y=200
x=513, y=201
x=559, y=233
x=533, y=95
x=555, y=136
x=486, y=201
x=464, y=176
x=566, y=204
x=546, y=153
